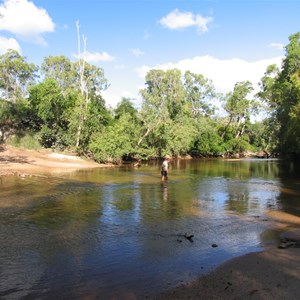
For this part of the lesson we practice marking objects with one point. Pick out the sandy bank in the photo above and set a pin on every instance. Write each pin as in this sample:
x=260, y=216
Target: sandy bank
x=22, y=162
x=271, y=274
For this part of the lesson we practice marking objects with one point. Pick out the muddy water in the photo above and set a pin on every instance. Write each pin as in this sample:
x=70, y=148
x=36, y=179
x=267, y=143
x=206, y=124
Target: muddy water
x=120, y=233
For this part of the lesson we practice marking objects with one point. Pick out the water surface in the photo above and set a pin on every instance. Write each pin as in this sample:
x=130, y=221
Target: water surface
x=119, y=233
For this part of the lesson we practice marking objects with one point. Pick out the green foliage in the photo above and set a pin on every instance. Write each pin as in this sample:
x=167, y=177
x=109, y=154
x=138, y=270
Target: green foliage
x=60, y=69
x=6, y=119
x=199, y=94
x=261, y=135
x=49, y=103
x=15, y=75
x=14, y=117
x=281, y=90
x=47, y=137
x=116, y=142
x=208, y=141
x=171, y=106
x=97, y=118
x=27, y=140
x=179, y=136
x=239, y=108
x=126, y=106
x=176, y=116
x=164, y=93
x=50, y=107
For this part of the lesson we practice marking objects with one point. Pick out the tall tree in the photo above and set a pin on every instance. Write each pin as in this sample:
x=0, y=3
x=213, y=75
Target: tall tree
x=6, y=119
x=239, y=107
x=163, y=98
x=288, y=85
x=15, y=75
x=172, y=106
x=50, y=107
x=61, y=69
x=281, y=89
x=91, y=80
x=200, y=94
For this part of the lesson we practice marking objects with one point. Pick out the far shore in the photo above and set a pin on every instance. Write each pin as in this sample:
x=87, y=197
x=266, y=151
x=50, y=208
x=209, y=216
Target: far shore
x=45, y=162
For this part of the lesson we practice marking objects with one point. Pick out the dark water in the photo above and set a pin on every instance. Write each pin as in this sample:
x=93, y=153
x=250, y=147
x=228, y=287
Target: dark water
x=119, y=233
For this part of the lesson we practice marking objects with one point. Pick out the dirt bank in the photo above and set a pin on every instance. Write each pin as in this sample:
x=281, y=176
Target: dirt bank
x=22, y=162
x=271, y=274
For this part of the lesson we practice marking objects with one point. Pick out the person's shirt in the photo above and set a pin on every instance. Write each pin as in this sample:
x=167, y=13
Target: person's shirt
x=164, y=165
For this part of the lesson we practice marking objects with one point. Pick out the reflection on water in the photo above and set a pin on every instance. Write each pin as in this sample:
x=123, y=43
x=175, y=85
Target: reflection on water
x=119, y=233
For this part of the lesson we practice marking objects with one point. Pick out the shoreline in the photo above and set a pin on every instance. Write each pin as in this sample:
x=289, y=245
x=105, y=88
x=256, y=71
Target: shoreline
x=271, y=274
x=24, y=162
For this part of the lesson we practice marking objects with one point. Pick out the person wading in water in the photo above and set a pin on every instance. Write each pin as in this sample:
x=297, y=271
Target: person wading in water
x=165, y=168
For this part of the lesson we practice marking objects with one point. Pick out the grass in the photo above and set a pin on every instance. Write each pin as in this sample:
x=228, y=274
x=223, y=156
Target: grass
x=27, y=140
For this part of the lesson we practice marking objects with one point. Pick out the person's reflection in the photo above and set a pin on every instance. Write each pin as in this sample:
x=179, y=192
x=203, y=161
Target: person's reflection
x=164, y=186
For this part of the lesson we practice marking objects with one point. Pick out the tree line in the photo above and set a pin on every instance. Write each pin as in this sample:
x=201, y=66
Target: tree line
x=60, y=105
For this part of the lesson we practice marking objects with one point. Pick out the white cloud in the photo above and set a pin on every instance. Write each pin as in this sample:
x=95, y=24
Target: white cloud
x=179, y=20
x=278, y=46
x=143, y=70
x=120, y=67
x=113, y=97
x=8, y=43
x=146, y=35
x=137, y=52
x=24, y=19
x=223, y=73
x=96, y=57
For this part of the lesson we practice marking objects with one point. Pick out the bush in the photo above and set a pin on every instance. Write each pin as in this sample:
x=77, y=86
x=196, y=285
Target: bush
x=28, y=140
x=115, y=142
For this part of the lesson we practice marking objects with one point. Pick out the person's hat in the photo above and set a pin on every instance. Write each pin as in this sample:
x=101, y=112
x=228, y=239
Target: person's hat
x=167, y=157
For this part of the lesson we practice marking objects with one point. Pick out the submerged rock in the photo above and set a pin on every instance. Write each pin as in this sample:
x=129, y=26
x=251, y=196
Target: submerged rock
x=290, y=239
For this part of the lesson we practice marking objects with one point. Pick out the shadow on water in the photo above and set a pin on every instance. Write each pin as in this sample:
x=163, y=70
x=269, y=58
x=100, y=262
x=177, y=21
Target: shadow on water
x=120, y=233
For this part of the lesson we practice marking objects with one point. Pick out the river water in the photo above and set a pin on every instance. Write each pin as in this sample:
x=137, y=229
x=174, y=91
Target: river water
x=119, y=233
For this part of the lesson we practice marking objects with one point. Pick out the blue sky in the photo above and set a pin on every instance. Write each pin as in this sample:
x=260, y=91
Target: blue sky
x=226, y=41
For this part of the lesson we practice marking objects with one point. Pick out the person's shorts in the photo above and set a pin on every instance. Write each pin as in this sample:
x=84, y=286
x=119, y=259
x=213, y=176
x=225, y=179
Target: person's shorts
x=164, y=173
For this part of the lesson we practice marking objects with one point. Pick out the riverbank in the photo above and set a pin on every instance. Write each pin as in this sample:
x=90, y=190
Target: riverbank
x=271, y=274
x=24, y=162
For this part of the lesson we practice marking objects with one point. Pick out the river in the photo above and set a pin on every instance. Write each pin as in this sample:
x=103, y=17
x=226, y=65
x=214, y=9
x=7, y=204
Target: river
x=120, y=233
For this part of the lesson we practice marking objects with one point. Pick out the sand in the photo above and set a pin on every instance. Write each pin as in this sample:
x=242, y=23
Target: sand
x=271, y=274
x=24, y=162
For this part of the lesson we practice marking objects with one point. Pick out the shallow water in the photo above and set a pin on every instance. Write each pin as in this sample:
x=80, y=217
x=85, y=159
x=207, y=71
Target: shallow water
x=119, y=233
